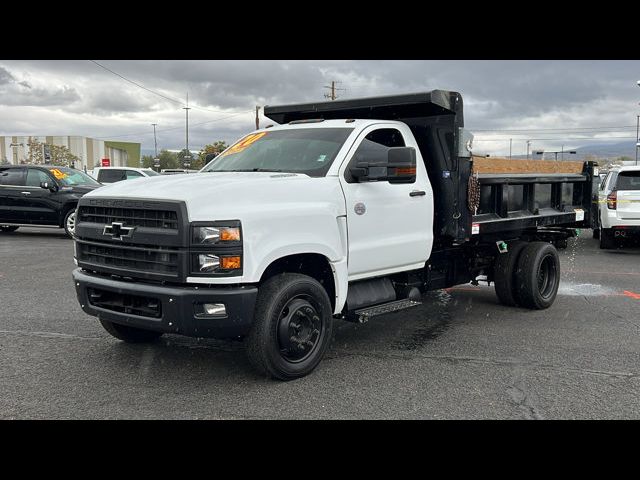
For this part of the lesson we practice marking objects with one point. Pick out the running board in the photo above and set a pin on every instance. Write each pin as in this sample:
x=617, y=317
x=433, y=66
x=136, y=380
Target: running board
x=364, y=314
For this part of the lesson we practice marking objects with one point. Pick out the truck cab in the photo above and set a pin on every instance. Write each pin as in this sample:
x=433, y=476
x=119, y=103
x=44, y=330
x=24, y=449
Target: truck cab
x=346, y=210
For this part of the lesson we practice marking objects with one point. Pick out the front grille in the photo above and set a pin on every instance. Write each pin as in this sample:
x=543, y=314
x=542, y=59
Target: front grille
x=164, y=219
x=125, y=303
x=159, y=260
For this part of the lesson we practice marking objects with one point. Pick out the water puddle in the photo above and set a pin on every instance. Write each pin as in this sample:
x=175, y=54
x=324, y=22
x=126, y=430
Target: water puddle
x=435, y=322
x=581, y=289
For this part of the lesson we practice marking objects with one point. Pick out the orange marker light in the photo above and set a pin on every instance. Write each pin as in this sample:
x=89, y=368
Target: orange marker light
x=229, y=234
x=406, y=171
x=230, y=263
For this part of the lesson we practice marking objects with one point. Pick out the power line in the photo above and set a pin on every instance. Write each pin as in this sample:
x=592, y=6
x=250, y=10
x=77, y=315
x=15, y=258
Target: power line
x=137, y=84
x=154, y=92
x=477, y=139
x=173, y=128
x=554, y=129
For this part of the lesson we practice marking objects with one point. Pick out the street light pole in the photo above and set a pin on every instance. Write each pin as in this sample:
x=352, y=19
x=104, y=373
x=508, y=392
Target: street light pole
x=186, y=109
x=155, y=143
x=637, y=136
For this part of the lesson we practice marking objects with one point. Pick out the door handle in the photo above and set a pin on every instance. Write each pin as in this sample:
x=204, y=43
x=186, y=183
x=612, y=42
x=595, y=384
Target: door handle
x=417, y=193
x=26, y=193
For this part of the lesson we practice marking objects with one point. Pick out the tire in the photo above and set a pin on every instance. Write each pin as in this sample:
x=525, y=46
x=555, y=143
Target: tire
x=130, y=334
x=538, y=276
x=606, y=239
x=596, y=233
x=8, y=228
x=504, y=274
x=291, y=327
x=70, y=222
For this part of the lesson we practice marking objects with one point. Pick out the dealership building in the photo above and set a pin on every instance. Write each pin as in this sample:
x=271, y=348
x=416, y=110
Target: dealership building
x=90, y=151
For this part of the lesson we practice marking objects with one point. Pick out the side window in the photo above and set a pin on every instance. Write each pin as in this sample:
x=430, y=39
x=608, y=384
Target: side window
x=131, y=174
x=12, y=176
x=375, y=147
x=110, y=175
x=604, y=181
x=35, y=176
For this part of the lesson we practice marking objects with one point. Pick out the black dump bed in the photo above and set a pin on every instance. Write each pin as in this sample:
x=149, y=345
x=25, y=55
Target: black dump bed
x=508, y=201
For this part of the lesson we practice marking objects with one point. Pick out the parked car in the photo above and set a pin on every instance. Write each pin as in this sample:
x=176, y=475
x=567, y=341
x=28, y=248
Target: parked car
x=43, y=195
x=176, y=171
x=619, y=206
x=116, y=174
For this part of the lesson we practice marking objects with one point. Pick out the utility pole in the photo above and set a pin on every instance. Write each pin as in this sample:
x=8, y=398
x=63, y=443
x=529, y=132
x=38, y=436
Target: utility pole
x=188, y=154
x=637, y=135
x=333, y=90
x=528, y=145
x=257, y=118
x=155, y=143
x=510, y=145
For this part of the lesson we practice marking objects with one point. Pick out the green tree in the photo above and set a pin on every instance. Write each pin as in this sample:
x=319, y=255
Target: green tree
x=168, y=160
x=60, y=155
x=215, y=147
x=181, y=160
x=147, y=161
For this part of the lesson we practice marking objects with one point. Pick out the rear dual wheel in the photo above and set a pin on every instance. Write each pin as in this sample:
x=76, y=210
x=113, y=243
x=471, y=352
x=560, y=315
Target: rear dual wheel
x=528, y=275
x=538, y=276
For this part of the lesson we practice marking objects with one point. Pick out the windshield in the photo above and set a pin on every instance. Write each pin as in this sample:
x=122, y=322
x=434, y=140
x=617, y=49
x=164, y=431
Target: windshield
x=306, y=150
x=70, y=177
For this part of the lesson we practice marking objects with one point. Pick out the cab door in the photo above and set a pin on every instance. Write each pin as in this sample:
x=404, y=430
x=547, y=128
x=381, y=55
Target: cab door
x=42, y=206
x=11, y=185
x=390, y=226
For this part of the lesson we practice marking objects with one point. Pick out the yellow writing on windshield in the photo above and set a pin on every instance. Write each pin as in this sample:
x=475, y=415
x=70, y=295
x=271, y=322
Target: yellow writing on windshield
x=244, y=143
x=58, y=174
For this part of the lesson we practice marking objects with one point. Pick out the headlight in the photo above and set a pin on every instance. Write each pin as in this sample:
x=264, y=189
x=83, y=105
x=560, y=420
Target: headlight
x=207, y=235
x=216, y=248
x=209, y=263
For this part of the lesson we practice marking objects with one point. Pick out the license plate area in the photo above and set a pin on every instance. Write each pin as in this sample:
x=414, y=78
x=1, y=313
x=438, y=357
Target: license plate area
x=125, y=303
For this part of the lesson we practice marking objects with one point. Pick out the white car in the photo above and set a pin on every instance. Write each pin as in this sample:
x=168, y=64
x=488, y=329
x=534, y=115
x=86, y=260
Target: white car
x=619, y=206
x=116, y=174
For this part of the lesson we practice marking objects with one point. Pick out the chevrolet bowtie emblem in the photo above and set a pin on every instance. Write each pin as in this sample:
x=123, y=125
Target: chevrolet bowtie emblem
x=118, y=231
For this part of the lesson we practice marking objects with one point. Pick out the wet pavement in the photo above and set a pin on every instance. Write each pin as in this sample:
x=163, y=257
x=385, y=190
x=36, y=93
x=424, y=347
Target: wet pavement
x=460, y=355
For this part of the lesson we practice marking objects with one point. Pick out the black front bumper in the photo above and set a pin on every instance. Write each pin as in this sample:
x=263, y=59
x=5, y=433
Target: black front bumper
x=166, y=309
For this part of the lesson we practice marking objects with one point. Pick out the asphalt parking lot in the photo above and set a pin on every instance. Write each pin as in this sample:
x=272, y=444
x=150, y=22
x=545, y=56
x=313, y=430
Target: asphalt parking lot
x=460, y=355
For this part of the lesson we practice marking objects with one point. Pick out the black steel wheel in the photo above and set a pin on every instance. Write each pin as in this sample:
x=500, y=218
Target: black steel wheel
x=291, y=328
x=538, y=275
x=504, y=270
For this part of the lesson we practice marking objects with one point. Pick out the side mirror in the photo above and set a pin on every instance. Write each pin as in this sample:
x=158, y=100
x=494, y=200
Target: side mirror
x=49, y=186
x=399, y=168
x=402, y=165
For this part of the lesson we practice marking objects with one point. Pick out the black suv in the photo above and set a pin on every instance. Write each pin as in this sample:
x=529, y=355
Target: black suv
x=43, y=195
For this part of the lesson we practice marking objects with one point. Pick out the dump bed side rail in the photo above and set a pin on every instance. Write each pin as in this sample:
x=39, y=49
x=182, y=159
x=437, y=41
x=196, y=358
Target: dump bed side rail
x=515, y=202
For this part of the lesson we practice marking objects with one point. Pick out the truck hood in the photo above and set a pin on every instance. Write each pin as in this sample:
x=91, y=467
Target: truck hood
x=231, y=194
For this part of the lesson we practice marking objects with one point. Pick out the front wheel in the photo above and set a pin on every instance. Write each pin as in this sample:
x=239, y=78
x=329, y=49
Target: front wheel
x=8, y=228
x=291, y=327
x=538, y=276
x=70, y=222
x=130, y=334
